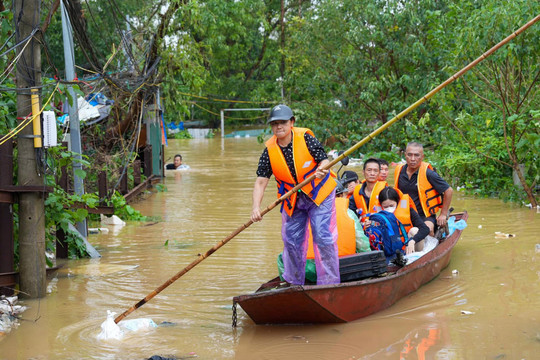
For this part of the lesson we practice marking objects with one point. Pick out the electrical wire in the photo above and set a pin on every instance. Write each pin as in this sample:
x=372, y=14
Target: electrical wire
x=11, y=66
x=6, y=42
x=34, y=31
x=26, y=121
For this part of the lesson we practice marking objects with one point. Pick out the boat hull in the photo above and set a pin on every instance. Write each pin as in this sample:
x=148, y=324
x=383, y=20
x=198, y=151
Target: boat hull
x=347, y=301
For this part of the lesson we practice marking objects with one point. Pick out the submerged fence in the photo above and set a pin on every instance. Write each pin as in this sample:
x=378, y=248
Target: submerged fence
x=9, y=197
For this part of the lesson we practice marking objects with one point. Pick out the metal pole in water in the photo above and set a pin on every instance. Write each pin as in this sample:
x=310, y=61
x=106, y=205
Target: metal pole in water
x=74, y=126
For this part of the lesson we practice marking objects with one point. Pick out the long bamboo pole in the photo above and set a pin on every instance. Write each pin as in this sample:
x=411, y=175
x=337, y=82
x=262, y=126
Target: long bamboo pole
x=328, y=166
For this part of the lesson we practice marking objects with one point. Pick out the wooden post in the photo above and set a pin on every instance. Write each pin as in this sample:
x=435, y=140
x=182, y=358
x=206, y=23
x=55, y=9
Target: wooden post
x=148, y=161
x=6, y=215
x=102, y=187
x=61, y=244
x=136, y=172
x=162, y=164
x=123, y=182
x=31, y=204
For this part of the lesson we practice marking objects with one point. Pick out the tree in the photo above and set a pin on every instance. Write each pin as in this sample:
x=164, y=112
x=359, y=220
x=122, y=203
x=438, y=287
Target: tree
x=497, y=106
x=356, y=63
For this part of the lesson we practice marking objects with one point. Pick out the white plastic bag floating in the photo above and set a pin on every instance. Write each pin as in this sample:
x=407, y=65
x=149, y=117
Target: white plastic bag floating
x=113, y=220
x=109, y=329
x=138, y=324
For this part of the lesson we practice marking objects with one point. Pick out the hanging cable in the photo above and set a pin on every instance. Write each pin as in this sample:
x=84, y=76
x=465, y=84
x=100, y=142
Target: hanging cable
x=28, y=120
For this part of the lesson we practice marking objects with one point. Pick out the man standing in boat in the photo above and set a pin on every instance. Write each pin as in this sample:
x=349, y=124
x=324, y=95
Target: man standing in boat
x=292, y=155
x=426, y=188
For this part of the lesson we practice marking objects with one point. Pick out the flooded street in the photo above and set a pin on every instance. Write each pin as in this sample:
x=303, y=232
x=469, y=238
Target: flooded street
x=498, y=282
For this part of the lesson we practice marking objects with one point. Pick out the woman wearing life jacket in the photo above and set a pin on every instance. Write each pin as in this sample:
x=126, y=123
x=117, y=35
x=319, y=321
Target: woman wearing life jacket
x=292, y=155
x=417, y=230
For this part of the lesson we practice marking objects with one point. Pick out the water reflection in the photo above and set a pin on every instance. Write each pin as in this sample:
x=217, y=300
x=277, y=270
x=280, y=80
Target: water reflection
x=373, y=338
x=498, y=281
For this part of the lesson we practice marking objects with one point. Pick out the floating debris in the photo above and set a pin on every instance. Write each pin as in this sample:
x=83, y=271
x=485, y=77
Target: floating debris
x=111, y=330
x=500, y=235
x=113, y=220
x=9, y=312
x=138, y=324
x=455, y=272
x=103, y=230
x=465, y=312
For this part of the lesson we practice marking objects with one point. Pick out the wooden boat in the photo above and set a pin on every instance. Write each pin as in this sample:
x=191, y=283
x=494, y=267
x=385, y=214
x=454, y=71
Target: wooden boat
x=276, y=302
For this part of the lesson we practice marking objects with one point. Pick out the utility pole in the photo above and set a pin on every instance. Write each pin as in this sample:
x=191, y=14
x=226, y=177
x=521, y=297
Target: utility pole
x=73, y=111
x=31, y=204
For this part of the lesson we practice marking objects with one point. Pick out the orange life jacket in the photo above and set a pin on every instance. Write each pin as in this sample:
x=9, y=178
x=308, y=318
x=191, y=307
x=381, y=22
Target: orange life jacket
x=430, y=199
x=346, y=233
x=304, y=165
x=403, y=211
x=374, y=205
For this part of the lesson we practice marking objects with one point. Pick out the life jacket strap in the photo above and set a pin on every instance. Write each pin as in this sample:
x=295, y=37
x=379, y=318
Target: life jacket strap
x=283, y=188
x=316, y=188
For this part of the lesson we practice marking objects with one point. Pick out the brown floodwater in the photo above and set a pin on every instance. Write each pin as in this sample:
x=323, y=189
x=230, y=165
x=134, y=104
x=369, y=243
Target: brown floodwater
x=498, y=282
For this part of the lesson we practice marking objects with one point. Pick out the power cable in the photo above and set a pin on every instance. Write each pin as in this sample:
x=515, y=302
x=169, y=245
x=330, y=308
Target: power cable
x=26, y=120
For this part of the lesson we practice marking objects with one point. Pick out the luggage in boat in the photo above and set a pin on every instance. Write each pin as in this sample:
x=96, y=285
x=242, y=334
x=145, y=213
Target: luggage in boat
x=362, y=265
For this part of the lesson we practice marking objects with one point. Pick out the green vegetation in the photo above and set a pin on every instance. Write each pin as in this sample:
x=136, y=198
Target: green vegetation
x=348, y=66
x=182, y=134
x=367, y=61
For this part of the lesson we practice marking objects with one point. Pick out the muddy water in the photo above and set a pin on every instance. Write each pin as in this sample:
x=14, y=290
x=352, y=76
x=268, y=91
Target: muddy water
x=498, y=282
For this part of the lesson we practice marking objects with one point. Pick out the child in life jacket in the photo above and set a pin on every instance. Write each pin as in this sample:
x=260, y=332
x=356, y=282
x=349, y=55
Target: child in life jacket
x=417, y=230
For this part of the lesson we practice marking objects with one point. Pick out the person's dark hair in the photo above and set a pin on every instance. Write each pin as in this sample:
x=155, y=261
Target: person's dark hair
x=178, y=155
x=372, y=160
x=388, y=193
x=340, y=188
x=383, y=162
x=348, y=176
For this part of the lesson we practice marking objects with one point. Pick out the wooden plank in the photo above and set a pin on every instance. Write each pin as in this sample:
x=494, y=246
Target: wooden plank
x=102, y=186
x=147, y=157
x=6, y=198
x=26, y=189
x=123, y=188
x=7, y=263
x=139, y=188
x=62, y=249
x=136, y=172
